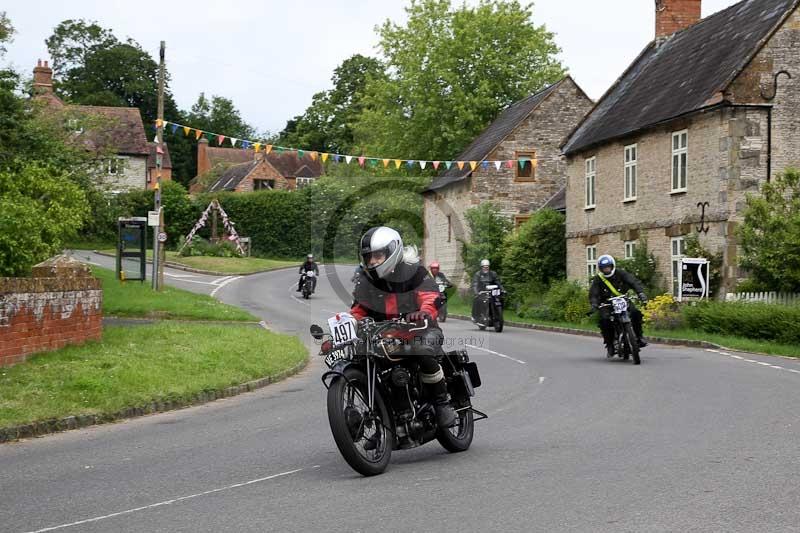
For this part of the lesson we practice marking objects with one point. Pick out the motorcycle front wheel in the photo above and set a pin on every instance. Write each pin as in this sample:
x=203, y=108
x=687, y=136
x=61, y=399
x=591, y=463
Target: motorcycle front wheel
x=458, y=437
x=632, y=343
x=443, y=313
x=498, y=324
x=363, y=438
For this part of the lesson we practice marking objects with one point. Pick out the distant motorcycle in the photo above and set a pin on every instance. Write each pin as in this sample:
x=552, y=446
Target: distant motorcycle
x=375, y=398
x=308, y=284
x=490, y=308
x=626, y=344
x=443, y=299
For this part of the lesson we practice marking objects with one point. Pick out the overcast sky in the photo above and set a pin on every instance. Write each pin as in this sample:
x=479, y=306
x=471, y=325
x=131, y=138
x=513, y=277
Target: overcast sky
x=270, y=57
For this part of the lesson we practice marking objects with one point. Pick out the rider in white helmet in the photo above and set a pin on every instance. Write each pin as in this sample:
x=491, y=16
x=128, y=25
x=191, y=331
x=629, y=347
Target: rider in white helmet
x=483, y=277
x=392, y=284
x=309, y=266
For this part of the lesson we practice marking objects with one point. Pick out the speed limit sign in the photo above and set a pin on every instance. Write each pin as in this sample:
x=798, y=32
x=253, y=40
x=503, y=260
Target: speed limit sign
x=162, y=237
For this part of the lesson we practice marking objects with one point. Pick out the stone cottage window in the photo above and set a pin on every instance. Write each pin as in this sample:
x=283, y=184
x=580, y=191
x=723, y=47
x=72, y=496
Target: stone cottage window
x=520, y=220
x=591, y=260
x=591, y=173
x=114, y=166
x=631, y=155
x=680, y=154
x=630, y=249
x=302, y=182
x=526, y=166
x=677, y=250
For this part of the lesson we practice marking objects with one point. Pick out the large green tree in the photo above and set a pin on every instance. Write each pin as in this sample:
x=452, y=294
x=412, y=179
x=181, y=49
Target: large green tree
x=219, y=114
x=451, y=70
x=770, y=235
x=327, y=124
x=6, y=31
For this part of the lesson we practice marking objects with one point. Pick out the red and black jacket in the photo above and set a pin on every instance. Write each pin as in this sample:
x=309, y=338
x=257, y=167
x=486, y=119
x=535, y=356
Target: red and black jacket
x=411, y=288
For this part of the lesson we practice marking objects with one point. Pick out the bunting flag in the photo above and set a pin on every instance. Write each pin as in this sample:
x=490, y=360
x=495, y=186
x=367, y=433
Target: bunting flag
x=362, y=159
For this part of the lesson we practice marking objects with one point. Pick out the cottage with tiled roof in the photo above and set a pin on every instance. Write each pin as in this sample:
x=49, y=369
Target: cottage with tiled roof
x=244, y=170
x=707, y=112
x=530, y=130
x=115, y=131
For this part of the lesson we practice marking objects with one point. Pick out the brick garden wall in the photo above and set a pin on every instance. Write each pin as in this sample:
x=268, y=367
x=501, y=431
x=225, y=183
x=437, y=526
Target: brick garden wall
x=60, y=304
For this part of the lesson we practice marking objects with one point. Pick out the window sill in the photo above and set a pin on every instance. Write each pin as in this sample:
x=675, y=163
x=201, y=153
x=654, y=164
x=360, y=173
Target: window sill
x=629, y=200
x=590, y=208
x=679, y=191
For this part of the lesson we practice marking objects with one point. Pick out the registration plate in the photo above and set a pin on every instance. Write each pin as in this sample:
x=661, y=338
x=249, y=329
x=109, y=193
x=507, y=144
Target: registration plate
x=620, y=304
x=343, y=329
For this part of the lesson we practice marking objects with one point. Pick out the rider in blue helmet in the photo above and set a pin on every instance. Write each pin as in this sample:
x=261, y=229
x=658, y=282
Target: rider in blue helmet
x=600, y=292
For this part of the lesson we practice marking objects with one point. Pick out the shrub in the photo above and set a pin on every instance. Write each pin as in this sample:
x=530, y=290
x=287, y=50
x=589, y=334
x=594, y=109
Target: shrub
x=663, y=312
x=568, y=300
x=751, y=320
x=488, y=228
x=536, y=253
x=643, y=266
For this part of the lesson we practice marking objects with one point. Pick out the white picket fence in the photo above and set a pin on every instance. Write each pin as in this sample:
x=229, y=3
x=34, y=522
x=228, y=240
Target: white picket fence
x=780, y=298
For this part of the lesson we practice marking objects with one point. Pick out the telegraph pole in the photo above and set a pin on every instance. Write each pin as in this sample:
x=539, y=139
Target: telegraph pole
x=159, y=248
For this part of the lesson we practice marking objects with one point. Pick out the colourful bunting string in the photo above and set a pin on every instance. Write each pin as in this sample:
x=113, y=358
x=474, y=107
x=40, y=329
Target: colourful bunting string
x=362, y=159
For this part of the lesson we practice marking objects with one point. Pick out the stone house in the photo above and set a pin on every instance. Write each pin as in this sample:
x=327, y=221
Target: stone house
x=247, y=170
x=707, y=112
x=117, y=132
x=532, y=130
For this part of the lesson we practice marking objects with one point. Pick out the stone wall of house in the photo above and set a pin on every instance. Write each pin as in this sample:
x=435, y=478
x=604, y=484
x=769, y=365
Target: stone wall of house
x=727, y=157
x=445, y=226
x=543, y=132
x=780, y=53
x=60, y=304
x=264, y=171
x=133, y=175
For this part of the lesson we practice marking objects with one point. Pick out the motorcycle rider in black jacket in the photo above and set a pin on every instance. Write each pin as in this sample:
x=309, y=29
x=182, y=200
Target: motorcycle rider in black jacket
x=308, y=266
x=599, y=293
x=483, y=277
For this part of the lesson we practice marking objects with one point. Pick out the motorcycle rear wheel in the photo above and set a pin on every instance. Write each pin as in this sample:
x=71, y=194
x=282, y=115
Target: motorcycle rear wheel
x=498, y=325
x=459, y=437
x=632, y=343
x=350, y=428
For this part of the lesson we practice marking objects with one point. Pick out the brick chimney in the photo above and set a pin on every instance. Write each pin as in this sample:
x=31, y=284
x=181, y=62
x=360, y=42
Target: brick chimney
x=203, y=163
x=675, y=15
x=42, y=78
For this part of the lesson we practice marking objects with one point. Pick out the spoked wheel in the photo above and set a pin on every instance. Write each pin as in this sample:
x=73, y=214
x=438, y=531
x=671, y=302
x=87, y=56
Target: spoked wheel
x=458, y=437
x=443, y=313
x=632, y=344
x=363, y=437
x=498, y=325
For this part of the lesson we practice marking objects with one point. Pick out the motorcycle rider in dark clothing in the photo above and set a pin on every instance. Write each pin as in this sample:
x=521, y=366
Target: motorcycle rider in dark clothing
x=483, y=277
x=438, y=275
x=393, y=283
x=308, y=266
x=600, y=292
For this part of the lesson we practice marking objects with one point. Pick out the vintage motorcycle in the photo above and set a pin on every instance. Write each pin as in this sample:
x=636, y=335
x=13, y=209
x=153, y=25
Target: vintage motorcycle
x=626, y=344
x=490, y=308
x=442, y=299
x=308, y=284
x=375, y=399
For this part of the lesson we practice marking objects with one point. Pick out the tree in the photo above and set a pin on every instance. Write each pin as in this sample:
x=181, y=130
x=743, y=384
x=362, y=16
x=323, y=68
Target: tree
x=770, y=235
x=73, y=41
x=451, y=71
x=488, y=228
x=6, y=31
x=327, y=124
x=219, y=115
x=535, y=254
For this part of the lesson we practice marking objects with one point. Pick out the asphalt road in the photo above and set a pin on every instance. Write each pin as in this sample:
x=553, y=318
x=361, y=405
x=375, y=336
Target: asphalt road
x=691, y=440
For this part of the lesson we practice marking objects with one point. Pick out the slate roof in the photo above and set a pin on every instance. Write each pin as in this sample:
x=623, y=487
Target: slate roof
x=166, y=162
x=558, y=201
x=121, y=129
x=233, y=176
x=683, y=73
x=483, y=145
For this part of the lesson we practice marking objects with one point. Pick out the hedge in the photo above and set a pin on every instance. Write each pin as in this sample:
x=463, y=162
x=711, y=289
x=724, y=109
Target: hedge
x=752, y=320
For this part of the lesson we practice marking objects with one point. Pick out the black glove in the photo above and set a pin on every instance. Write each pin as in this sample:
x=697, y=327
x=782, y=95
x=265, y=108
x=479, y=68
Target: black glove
x=418, y=316
x=643, y=298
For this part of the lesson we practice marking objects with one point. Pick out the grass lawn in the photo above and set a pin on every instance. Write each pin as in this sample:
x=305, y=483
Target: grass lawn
x=135, y=299
x=134, y=366
x=459, y=306
x=223, y=265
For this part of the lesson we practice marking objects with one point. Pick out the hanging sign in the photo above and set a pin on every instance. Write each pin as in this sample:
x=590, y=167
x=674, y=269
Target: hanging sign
x=694, y=278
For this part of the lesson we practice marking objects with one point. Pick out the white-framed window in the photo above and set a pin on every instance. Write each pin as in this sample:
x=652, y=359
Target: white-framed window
x=591, y=260
x=591, y=174
x=302, y=182
x=630, y=249
x=680, y=160
x=74, y=125
x=631, y=156
x=677, y=251
x=114, y=166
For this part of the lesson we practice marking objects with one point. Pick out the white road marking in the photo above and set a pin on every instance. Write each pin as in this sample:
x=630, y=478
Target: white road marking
x=169, y=502
x=776, y=366
x=737, y=357
x=504, y=356
x=224, y=283
x=219, y=281
x=761, y=363
x=541, y=379
x=179, y=276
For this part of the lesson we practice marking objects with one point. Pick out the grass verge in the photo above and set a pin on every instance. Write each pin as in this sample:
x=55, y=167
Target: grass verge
x=223, y=265
x=459, y=306
x=135, y=366
x=135, y=299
